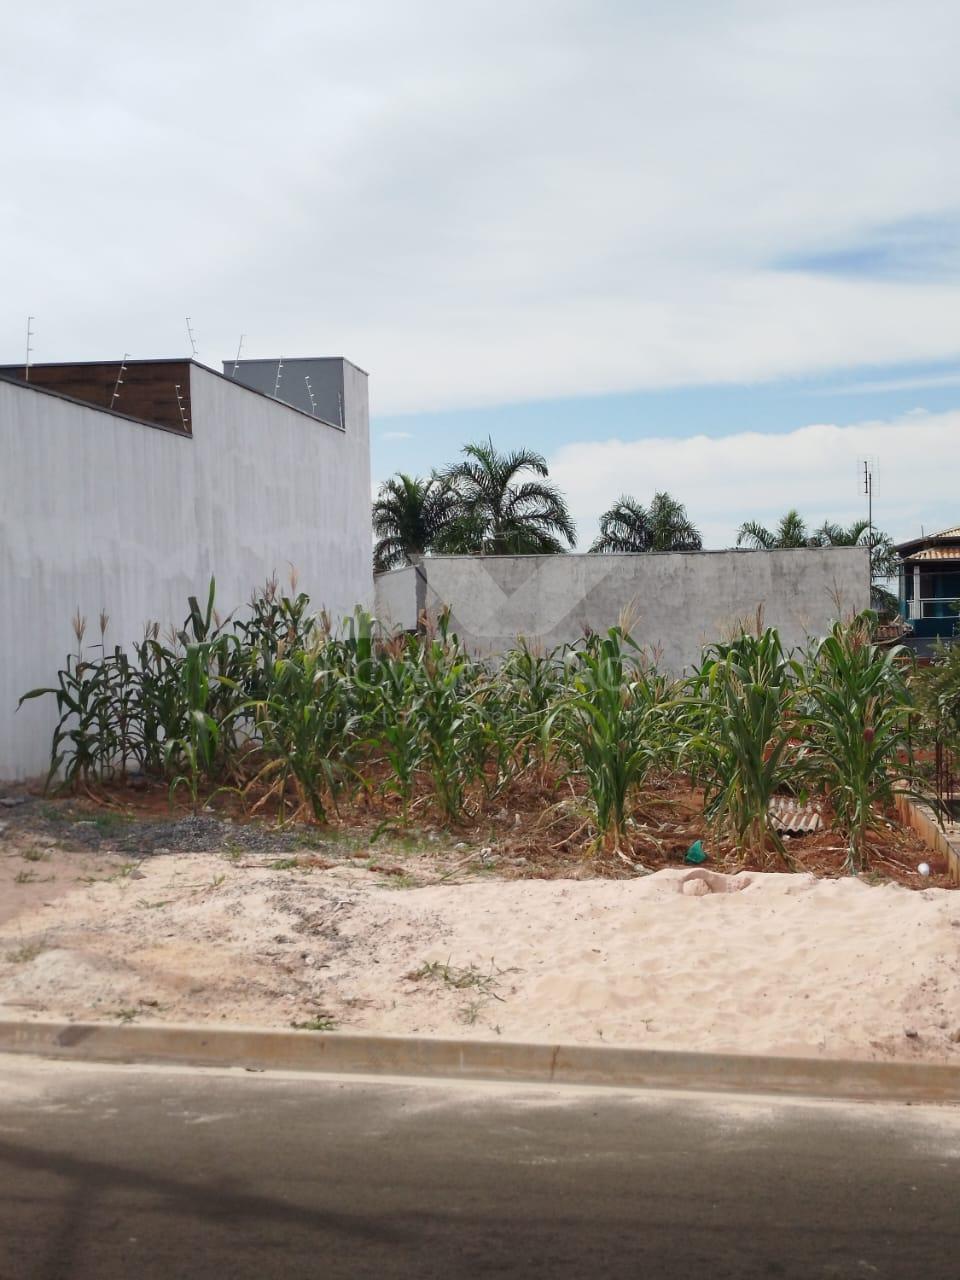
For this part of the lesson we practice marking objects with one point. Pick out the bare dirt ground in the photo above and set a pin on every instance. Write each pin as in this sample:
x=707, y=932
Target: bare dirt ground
x=182, y=918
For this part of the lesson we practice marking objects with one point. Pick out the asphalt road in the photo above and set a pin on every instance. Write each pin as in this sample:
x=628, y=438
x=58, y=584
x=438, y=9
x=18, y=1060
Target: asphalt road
x=136, y=1172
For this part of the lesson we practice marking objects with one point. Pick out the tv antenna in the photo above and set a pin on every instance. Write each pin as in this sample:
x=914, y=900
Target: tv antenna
x=276, y=385
x=26, y=363
x=236, y=363
x=313, y=403
x=866, y=468
x=119, y=382
x=193, y=338
x=867, y=482
x=183, y=413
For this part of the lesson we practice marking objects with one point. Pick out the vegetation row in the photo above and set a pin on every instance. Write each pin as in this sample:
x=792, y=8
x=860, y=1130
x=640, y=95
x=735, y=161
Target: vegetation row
x=293, y=715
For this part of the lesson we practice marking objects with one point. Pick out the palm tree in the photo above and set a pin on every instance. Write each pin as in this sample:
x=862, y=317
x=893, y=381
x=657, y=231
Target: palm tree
x=884, y=560
x=411, y=517
x=670, y=526
x=624, y=527
x=664, y=526
x=790, y=532
x=499, y=514
x=883, y=555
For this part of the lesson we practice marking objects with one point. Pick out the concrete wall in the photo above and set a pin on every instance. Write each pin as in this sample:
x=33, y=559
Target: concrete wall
x=681, y=600
x=99, y=512
x=395, y=598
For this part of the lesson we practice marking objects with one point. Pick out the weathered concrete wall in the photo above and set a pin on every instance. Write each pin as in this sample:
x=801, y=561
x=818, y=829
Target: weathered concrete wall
x=395, y=598
x=98, y=512
x=680, y=600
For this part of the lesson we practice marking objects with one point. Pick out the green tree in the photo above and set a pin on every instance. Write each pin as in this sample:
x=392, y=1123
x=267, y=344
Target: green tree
x=663, y=526
x=498, y=512
x=411, y=517
x=792, y=532
x=884, y=560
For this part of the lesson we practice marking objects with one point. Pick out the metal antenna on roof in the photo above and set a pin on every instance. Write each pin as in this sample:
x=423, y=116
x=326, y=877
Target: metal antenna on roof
x=183, y=412
x=193, y=338
x=276, y=385
x=26, y=363
x=236, y=363
x=119, y=382
x=313, y=403
x=867, y=481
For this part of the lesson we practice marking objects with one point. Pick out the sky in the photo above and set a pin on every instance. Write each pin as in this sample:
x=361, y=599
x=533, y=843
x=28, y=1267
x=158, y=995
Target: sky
x=711, y=247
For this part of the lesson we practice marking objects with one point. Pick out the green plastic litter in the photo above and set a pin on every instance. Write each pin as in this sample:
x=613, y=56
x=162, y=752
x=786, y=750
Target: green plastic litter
x=695, y=853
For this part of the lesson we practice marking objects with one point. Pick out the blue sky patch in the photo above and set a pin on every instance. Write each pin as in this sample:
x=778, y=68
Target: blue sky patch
x=921, y=249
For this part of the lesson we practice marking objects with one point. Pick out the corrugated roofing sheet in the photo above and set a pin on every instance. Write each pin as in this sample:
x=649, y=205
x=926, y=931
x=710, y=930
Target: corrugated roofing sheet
x=794, y=819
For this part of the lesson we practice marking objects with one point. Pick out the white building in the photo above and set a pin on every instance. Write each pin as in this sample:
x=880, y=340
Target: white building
x=126, y=491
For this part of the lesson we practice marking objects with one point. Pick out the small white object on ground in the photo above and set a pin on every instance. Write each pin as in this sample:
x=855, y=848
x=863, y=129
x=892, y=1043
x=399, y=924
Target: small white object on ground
x=924, y=868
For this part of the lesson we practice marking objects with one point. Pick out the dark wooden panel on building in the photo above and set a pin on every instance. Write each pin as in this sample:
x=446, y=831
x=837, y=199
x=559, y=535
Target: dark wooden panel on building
x=148, y=390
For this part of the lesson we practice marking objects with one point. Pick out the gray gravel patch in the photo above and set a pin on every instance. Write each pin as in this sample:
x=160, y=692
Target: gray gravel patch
x=72, y=827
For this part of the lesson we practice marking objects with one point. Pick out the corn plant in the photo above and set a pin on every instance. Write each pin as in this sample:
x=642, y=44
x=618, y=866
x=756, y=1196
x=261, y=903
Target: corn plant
x=76, y=746
x=306, y=728
x=81, y=746
x=443, y=717
x=610, y=726
x=740, y=722
x=392, y=722
x=276, y=618
x=449, y=717
x=530, y=684
x=856, y=714
x=124, y=709
x=159, y=697
x=194, y=751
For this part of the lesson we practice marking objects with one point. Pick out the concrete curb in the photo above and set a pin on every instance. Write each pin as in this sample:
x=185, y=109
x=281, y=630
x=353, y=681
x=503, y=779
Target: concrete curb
x=482, y=1060
x=923, y=820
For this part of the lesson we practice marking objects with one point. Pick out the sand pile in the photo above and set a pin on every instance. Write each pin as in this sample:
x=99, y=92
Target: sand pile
x=752, y=963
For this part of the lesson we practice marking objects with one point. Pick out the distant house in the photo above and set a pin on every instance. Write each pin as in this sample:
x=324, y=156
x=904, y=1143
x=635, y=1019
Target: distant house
x=930, y=585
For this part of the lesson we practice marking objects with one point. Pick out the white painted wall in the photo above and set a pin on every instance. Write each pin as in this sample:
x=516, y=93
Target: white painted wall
x=680, y=601
x=98, y=512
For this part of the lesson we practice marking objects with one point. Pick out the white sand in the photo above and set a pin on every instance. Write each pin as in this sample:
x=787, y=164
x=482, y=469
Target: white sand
x=754, y=963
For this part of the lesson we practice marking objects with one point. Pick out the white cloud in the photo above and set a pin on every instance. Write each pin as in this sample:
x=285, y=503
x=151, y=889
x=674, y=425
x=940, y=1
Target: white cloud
x=396, y=435
x=478, y=202
x=725, y=481
x=919, y=383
